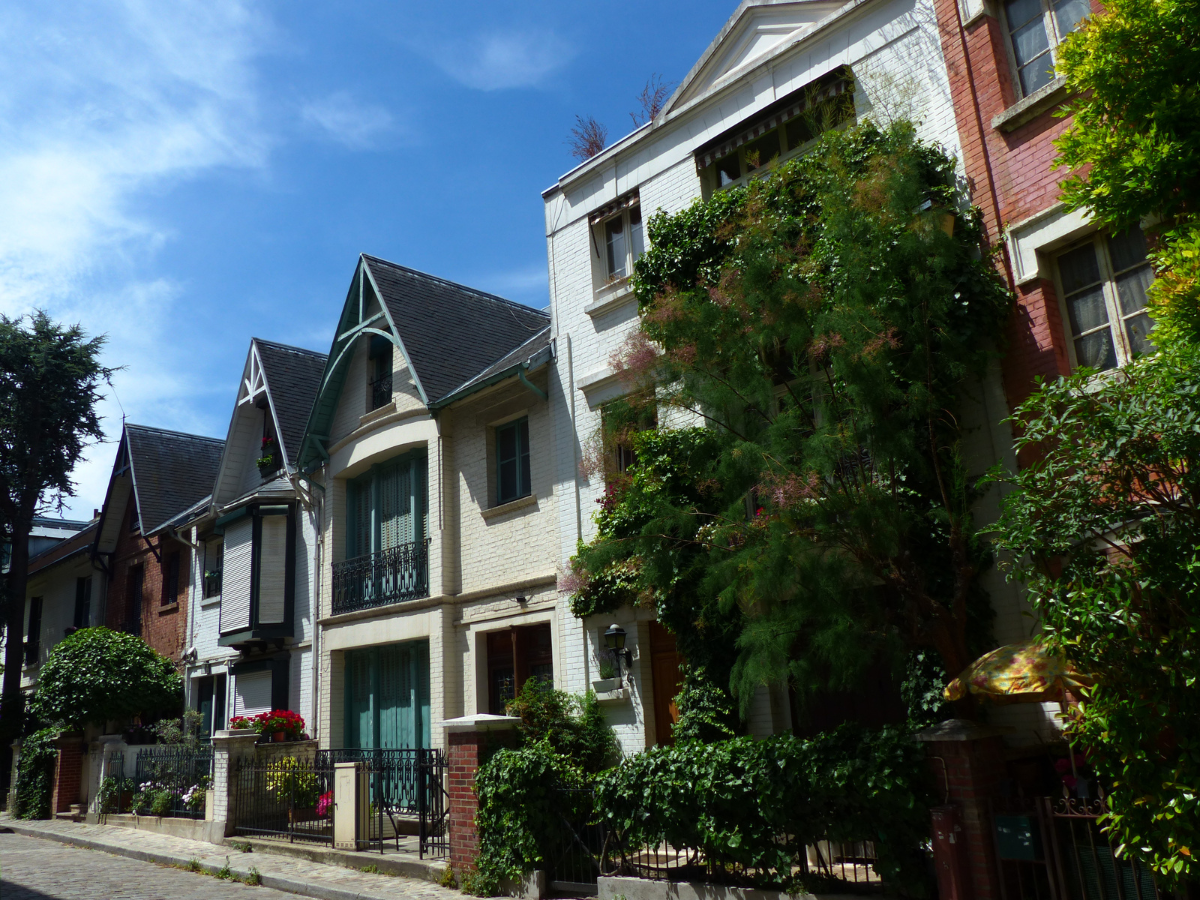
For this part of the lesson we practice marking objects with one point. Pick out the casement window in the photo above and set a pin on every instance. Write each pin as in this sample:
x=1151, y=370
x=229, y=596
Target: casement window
x=1035, y=29
x=624, y=241
x=213, y=561
x=170, y=583
x=783, y=131
x=386, y=506
x=83, y=602
x=380, y=385
x=512, y=461
x=1103, y=284
x=619, y=454
x=513, y=657
x=133, y=602
x=257, y=574
x=33, y=635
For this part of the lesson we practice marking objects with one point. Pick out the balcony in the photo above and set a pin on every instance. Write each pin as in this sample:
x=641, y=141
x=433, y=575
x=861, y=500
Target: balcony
x=381, y=392
x=378, y=579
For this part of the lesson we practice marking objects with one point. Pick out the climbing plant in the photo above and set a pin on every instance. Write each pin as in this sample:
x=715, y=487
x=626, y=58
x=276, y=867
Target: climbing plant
x=823, y=330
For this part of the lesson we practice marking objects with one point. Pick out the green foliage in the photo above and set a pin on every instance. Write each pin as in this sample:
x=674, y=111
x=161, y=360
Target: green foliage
x=519, y=811
x=820, y=522
x=478, y=884
x=923, y=691
x=706, y=713
x=96, y=675
x=1105, y=529
x=753, y=806
x=572, y=727
x=35, y=774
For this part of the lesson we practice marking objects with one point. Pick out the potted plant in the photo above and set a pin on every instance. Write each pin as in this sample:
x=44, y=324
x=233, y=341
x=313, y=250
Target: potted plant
x=268, y=456
x=212, y=582
x=281, y=724
x=608, y=678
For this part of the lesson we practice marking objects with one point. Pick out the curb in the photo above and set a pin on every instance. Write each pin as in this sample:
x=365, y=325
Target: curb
x=278, y=882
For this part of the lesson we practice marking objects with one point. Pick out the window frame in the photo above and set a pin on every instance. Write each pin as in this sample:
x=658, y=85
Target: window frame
x=1054, y=38
x=523, y=458
x=605, y=279
x=172, y=566
x=83, y=601
x=1098, y=240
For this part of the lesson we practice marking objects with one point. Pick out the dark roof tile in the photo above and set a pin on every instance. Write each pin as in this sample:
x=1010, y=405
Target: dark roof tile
x=171, y=471
x=293, y=377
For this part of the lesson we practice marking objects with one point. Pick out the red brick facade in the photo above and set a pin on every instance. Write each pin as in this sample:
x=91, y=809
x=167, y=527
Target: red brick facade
x=163, y=620
x=68, y=773
x=1011, y=179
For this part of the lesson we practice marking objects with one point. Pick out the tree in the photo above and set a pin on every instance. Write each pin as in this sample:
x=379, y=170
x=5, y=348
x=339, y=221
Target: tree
x=823, y=324
x=588, y=137
x=50, y=377
x=651, y=100
x=96, y=675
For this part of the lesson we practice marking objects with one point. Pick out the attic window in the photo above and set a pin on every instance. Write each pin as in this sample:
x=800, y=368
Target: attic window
x=780, y=132
x=380, y=370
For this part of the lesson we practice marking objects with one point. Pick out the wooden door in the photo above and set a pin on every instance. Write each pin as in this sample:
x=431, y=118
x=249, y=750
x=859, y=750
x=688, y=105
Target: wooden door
x=664, y=670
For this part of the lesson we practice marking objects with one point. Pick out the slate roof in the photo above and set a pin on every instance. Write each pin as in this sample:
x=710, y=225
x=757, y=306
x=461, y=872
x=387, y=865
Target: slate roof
x=293, y=378
x=171, y=471
x=501, y=367
x=451, y=332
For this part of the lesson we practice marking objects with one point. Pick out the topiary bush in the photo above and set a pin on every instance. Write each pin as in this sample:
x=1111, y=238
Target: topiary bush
x=96, y=675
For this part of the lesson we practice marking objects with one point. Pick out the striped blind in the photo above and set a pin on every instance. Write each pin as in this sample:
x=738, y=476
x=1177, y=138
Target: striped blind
x=235, y=586
x=252, y=694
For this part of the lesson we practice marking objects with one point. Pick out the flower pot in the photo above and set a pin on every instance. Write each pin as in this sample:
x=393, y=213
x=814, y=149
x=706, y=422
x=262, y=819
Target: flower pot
x=279, y=737
x=606, y=685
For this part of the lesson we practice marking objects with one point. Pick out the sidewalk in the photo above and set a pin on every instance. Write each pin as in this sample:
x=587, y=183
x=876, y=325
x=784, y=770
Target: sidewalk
x=290, y=872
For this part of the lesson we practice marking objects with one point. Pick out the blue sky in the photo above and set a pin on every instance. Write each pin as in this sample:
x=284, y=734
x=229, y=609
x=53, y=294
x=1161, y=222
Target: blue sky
x=183, y=176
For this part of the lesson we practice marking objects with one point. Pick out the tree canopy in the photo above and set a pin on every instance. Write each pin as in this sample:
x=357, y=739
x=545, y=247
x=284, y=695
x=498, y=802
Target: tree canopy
x=50, y=377
x=822, y=325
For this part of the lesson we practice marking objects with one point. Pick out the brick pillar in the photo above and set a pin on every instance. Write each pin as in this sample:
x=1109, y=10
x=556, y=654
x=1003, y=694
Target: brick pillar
x=470, y=740
x=967, y=761
x=68, y=773
x=229, y=748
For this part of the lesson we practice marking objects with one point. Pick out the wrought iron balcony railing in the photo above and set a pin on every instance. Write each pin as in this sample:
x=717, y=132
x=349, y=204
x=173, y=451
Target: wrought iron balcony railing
x=377, y=579
x=381, y=392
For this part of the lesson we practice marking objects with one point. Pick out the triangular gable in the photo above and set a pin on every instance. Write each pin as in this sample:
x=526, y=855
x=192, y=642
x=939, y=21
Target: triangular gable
x=757, y=30
x=281, y=381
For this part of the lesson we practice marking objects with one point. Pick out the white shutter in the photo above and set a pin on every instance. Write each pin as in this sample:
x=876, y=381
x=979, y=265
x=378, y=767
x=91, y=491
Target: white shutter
x=272, y=570
x=235, y=584
x=252, y=693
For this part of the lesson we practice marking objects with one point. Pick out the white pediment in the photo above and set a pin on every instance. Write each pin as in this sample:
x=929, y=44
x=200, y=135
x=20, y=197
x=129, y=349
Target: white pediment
x=755, y=33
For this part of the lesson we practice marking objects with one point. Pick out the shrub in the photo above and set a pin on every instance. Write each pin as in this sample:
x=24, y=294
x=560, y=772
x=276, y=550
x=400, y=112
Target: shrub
x=35, y=774
x=705, y=711
x=573, y=727
x=756, y=805
x=96, y=675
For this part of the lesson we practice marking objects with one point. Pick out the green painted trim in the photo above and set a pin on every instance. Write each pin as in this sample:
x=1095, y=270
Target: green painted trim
x=219, y=525
x=529, y=384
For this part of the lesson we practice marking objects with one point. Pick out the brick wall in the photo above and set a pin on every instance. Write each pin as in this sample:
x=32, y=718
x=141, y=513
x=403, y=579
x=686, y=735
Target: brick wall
x=68, y=773
x=466, y=751
x=163, y=624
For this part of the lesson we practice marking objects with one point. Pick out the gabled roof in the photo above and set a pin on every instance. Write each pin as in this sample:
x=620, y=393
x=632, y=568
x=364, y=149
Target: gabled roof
x=450, y=331
x=293, y=376
x=758, y=29
x=447, y=333
x=165, y=473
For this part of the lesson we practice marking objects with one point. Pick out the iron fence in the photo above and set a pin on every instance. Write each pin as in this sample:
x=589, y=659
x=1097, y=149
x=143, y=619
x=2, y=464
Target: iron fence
x=285, y=798
x=389, y=576
x=407, y=795
x=1053, y=848
x=381, y=391
x=165, y=781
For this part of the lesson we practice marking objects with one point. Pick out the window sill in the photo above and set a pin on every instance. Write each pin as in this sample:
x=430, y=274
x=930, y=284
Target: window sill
x=207, y=602
x=1029, y=108
x=168, y=608
x=610, y=297
x=386, y=409
x=508, y=507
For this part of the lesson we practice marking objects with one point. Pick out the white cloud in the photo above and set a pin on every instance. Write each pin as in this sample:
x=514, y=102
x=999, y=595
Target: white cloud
x=345, y=120
x=504, y=59
x=99, y=104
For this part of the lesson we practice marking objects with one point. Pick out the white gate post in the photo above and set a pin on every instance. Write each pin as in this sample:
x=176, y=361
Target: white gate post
x=351, y=805
x=229, y=748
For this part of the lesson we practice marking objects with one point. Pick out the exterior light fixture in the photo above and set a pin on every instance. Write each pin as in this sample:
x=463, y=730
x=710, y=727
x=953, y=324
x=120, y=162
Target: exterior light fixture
x=614, y=638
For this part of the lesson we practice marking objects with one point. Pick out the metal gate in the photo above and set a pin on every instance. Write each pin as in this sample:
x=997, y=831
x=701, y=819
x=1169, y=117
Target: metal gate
x=1056, y=850
x=579, y=847
x=285, y=798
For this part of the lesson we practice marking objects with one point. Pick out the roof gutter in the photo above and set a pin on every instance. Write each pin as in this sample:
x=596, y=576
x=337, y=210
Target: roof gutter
x=521, y=370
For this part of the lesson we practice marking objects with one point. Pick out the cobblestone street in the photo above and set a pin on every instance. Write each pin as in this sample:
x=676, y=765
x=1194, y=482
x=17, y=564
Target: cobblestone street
x=33, y=869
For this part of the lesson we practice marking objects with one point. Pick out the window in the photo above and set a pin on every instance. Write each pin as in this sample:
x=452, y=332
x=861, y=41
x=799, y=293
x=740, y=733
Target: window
x=387, y=697
x=133, y=603
x=1103, y=285
x=624, y=242
x=381, y=372
x=33, y=636
x=513, y=657
x=170, y=591
x=83, y=602
x=618, y=438
x=512, y=461
x=756, y=150
x=1035, y=29
x=212, y=567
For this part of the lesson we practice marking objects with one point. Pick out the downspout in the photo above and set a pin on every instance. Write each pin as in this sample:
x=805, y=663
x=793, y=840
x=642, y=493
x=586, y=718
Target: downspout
x=529, y=384
x=315, y=609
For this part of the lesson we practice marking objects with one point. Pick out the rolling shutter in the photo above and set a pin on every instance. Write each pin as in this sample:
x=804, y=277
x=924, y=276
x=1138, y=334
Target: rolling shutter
x=252, y=693
x=235, y=587
x=272, y=570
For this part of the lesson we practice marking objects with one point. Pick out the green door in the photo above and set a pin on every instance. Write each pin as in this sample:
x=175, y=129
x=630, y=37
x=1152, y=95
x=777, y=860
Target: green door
x=387, y=697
